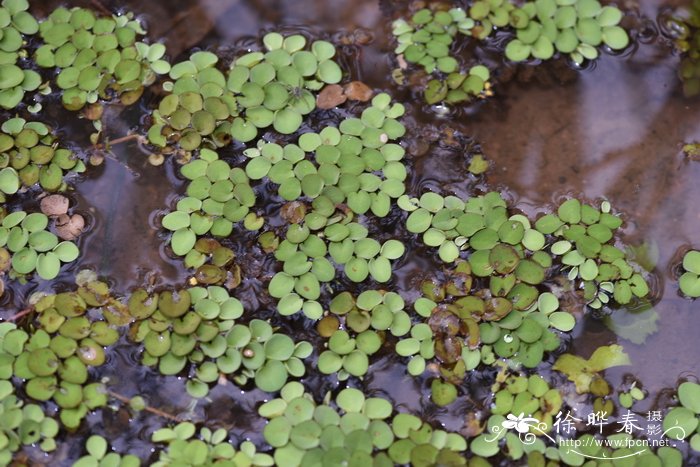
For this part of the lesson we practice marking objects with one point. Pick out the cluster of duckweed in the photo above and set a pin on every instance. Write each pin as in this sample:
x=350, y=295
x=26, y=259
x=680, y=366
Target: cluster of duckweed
x=492, y=305
x=689, y=43
x=542, y=28
x=68, y=341
x=217, y=197
x=353, y=430
x=29, y=155
x=16, y=24
x=356, y=329
x=573, y=27
x=184, y=446
x=20, y=423
x=197, y=326
x=631, y=395
x=685, y=419
x=580, y=234
x=426, y=41
x=586, y=246
x=26, y=245
x=97, y=57
x=516, y=445
x=689, y=281
x=527, y=395
x=465, y=326
x=260, y=90
x=493, y=309
x=517, y=394
x=98, y=454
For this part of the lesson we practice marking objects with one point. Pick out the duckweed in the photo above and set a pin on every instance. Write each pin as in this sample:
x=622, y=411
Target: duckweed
x=574, y=28
x=688, y=42
x=29, y=155
x=274, y=89
x=185, y=446
x=54, y=360
x=426, y=41
x=493, y=307
x=97, y=454
x=195, y=330
x=32, y=247
x=97, y=56
x=355, y=427
x=689, y=282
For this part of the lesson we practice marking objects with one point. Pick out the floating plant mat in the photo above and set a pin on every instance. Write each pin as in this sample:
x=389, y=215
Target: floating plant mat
x=327, y=246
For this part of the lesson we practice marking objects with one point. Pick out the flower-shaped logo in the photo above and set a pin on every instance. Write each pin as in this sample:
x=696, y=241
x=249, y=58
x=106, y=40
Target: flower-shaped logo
x=520, y=423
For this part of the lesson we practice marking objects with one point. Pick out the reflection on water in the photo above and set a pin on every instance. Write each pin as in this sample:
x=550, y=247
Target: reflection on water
x=612, y=131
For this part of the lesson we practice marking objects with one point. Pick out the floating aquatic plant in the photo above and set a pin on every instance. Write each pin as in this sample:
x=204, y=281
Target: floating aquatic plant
x=583, y=372
x=355, y=429
x=585, y=234
x=688, y=42
x=217, y=197
x=16, y=24
x=686, y=415
x=199, y=105
x=29, y=155
x=305, y=265
x=97, y=57
x=426, y=40
x=573, y=27
x=531, y=396
x=274, y=89
x=465, y=327
x=26, y=246
x=186, y=447
x=98, y=453
x=20, y=423
x=195, y=329
x=689, y=282
x=55, y=359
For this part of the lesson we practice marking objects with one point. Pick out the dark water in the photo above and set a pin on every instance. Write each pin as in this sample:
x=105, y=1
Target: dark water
x=613, y=130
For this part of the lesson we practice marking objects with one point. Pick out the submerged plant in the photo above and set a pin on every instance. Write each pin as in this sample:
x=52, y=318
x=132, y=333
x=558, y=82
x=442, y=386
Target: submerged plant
x=584, y=372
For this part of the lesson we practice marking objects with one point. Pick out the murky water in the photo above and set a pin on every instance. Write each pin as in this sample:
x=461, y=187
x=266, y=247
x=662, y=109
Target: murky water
x=613, y=130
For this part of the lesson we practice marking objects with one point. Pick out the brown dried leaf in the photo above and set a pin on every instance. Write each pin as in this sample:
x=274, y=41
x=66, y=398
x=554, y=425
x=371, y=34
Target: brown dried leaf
x=69, y=227
x=293, y=212
x=358, y=91
x=330, y=96
x=54, y=205
x=93, y=111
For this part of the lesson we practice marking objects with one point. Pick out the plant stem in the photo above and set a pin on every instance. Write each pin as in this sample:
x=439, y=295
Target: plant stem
x=22, y=313
x=123, y=139
x=148, y=408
